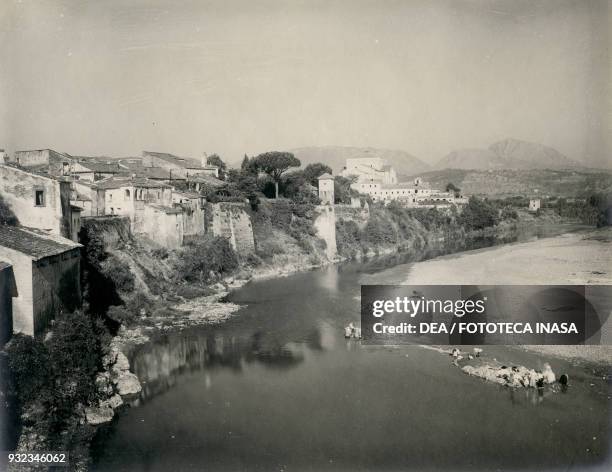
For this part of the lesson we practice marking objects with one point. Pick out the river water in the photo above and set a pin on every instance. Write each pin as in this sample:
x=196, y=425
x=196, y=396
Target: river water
x=277, y=387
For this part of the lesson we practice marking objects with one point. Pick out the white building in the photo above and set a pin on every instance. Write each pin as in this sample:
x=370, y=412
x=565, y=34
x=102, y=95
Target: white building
x=370, y=169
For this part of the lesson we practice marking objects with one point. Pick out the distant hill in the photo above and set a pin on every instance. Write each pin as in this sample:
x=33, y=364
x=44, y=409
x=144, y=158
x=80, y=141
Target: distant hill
x=336, y=156
x=527, y=182
x=508, y=154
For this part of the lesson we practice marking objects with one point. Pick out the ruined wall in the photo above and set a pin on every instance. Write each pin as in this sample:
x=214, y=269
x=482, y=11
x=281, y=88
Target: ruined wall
x=163, y=227
x=56, y=283
x=32, y=158
x=18, y=189
x=193, y=219
x=325, y=224
x=231, y=220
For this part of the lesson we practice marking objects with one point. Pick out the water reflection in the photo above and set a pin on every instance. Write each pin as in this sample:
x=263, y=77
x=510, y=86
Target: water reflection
x=160, y=364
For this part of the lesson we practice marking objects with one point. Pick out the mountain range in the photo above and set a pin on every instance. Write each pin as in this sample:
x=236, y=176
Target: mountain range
x=506, y=154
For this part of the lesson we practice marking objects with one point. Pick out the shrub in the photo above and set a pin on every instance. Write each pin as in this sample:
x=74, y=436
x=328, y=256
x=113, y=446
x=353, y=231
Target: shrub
x=121, y=314
x=60, y=373
x=206, y=259
x=478, y=214
x=119, y=273
x=29, y=366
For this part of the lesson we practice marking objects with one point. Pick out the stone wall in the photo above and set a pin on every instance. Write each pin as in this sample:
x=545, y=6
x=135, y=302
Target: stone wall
x=325, y=224
x=231, y=220
x=23, y=314
x=56, y=283
x=163, y=226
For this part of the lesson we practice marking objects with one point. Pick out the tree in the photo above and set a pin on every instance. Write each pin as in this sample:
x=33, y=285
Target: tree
x=313, y=171
x=248, y=166
x=342, y=189
x=478, y=214
x=215, y=160
x=451, y=187
x=274, y=164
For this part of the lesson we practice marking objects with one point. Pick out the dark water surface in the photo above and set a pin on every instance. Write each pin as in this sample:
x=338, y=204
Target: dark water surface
x=278, y=388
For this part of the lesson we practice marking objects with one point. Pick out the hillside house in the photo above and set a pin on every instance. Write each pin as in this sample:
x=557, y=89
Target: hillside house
x=92, y=170
x=8, y=290
x=48, y=161
x=125, y=195
x=47, y=274
x=410, y=193
x=39, y=200
x=178, y=166
x=326, y=189
x=534, y=204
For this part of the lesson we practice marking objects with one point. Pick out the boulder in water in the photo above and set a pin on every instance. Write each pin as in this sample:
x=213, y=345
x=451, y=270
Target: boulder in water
x=95, y=415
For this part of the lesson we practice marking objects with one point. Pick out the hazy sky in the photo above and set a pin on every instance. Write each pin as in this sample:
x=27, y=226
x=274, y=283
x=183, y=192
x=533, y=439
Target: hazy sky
x=115, y=77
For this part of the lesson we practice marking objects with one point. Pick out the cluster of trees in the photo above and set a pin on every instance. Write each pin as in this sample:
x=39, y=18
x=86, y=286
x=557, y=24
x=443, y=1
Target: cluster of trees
x=272, y=174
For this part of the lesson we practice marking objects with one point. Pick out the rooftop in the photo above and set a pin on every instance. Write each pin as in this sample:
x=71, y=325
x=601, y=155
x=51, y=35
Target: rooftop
x=326, y=176
x=39, y=171
x=101, y=167
x=34, y=243
x=206, y=180
x=186, y=162
x=118, y=182
x=158, y=173
x=165, y=209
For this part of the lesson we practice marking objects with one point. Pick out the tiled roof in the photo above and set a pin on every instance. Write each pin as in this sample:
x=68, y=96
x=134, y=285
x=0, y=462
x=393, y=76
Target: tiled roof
x=118, y=182
x=206, y=179
x=33, y=243
x=158, y=173
x=165, y=209
x=102, y=167
x=186, y=162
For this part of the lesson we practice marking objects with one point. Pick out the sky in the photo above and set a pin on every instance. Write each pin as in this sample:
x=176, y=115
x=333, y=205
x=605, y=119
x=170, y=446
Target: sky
x=116, y=77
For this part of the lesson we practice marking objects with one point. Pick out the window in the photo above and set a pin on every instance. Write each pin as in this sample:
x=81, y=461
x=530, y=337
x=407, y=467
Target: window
x=127, y=193
x=39, y=198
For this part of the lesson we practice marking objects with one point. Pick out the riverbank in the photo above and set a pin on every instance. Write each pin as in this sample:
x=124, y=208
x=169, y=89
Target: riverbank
x=575, y=258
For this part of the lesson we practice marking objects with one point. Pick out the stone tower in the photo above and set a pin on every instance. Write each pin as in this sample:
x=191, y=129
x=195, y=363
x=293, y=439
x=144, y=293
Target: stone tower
x=326, y=189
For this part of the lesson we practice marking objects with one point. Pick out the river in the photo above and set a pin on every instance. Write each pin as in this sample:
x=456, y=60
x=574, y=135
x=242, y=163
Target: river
x=277, y=387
